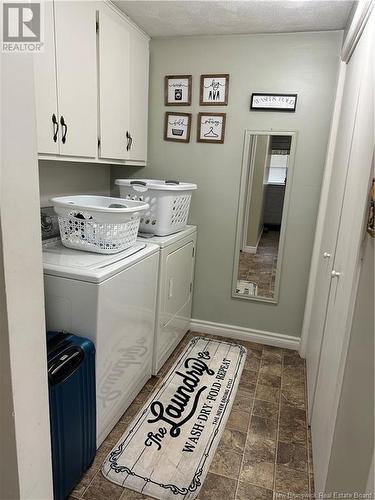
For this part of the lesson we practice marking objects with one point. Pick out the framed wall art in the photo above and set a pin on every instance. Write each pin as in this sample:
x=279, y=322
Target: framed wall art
x=214, y=90
x=177, y=127
x=211, y=127
x=177, y=90
x=273, y=102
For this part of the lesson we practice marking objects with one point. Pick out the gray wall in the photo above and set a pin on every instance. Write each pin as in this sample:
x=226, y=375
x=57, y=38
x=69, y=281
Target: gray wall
x=353, y=444
x=305, y=63
x=58, y=178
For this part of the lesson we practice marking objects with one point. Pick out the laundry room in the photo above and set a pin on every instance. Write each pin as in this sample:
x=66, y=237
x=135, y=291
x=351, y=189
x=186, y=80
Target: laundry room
x=187, y=249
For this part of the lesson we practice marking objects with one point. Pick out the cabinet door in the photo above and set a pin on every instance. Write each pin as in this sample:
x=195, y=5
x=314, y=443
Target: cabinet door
x=45, y=87
x=346, y=268
x=338, y=181
x=76, y=77
x=139, y=67
x=113, y=85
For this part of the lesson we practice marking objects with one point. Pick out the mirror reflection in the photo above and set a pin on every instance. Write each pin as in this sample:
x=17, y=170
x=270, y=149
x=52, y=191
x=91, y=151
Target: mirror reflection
x=259, y=244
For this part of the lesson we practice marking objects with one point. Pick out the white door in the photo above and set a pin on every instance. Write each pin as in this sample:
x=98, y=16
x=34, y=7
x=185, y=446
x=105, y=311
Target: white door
x=139, y=64
x=113, y=85
x=45, y=88
x=345, y=271
x=76, y=77
x=332, y=219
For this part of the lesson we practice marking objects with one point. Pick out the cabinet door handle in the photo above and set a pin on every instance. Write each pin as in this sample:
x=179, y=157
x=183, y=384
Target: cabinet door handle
x=326, y=255
x=55, y=127
x=128, y=140
x=131, y=142
x=335, y=274
x=64, y=128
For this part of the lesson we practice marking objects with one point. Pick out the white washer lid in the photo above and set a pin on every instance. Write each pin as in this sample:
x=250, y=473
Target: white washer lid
x=159, y=185
x=88, y=266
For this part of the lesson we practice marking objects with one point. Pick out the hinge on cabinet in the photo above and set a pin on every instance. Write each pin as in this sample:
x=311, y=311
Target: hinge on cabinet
x=193, y=252
x=97, y=26
x=98, y=142
x=191, y=287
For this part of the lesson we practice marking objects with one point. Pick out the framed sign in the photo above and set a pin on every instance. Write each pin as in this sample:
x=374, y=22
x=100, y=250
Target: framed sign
x=273, y=102
x=177, y=127
x=211, y=127
x=214, y=90
x=177, y=90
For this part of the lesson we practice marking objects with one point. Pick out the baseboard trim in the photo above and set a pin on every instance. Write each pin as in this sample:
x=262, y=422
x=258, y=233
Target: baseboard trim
x=248, y=249
x=241, y=333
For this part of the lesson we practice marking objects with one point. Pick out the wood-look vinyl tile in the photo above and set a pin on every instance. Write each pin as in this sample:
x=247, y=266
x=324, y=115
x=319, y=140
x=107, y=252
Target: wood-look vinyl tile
x=248, y=462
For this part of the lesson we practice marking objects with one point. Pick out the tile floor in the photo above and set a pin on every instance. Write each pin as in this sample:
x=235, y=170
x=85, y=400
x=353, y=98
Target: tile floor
x=265, y=450
x=260, y=267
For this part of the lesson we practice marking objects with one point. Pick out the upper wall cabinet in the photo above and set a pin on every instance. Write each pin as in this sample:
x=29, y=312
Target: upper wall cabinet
x=46, y=89
x=123, y=88
x=139, y=64
x=65, y=77
x=114, y=92
x=92, y=85
x=76, y=77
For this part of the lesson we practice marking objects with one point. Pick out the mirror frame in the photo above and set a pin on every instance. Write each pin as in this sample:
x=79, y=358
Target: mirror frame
x=245, y=187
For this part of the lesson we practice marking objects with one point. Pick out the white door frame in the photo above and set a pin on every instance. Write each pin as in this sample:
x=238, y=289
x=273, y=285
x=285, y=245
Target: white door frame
x=355, y=30
x=21, y=290
x=250, y=160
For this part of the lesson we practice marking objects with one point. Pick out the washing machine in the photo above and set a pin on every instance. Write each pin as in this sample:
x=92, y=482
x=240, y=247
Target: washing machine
x=111, y=300
x=175, y=290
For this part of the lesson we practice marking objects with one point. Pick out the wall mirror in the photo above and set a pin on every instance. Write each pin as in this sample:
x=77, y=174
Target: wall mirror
x=266, y=179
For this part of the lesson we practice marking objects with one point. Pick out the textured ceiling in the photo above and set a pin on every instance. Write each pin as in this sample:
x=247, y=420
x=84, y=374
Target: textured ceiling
x=181, y=17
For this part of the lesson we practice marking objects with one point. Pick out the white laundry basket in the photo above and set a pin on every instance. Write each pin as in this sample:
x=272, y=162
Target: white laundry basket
x=98, y=224
x=169, y=203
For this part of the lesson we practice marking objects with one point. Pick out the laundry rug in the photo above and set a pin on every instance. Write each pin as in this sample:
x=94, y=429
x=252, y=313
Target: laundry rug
x=245, y=287
x=167, y=449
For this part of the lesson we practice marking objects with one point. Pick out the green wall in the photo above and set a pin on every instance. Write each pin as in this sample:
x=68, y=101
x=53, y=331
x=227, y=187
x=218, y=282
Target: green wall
x=304, y=63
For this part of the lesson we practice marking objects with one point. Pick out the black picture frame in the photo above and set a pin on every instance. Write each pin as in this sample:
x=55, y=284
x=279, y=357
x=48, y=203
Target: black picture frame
x=259, y=107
